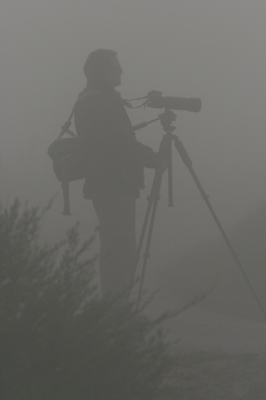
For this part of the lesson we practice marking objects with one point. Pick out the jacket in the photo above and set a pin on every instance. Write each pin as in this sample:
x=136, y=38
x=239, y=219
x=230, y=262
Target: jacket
x=114, y=159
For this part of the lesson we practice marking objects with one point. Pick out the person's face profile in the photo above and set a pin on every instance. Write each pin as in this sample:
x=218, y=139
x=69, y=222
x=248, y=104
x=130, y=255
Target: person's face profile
x=113, y=73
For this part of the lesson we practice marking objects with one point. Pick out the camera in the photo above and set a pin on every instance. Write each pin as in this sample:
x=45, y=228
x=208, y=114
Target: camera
x=156, y=100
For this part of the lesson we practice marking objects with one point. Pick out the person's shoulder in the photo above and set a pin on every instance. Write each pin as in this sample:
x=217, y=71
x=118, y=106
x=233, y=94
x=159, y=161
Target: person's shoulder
x=91, y=98
x=91, y=95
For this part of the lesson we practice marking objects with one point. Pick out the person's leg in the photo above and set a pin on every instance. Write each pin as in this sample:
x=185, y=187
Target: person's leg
x=116, y=215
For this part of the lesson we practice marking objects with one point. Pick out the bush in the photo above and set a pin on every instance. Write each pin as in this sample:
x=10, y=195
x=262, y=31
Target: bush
x=58, y=340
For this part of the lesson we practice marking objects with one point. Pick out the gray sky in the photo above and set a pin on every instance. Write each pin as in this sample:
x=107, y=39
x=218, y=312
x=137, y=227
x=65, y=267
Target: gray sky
x=214, y=50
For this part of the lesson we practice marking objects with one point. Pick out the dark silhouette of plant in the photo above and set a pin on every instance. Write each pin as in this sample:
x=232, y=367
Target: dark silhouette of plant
x=58, y=340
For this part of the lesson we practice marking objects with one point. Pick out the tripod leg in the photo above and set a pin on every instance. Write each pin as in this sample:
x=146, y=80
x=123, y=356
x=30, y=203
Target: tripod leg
x=153, y=207
x=170, y=178
x=188, y=163
x=154, y=192
x=146, y=220
x=165, y=152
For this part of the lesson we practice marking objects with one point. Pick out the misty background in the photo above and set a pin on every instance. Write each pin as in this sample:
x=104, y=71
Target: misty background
x=201, y=48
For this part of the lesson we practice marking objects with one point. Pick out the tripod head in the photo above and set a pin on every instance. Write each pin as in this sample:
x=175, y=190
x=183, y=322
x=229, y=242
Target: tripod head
x=166, y=119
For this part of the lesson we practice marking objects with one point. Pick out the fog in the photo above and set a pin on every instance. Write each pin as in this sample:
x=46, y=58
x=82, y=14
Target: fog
x=201, y=48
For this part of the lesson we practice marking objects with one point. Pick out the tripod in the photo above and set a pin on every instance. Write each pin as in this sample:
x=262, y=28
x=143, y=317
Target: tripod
x=165, y=152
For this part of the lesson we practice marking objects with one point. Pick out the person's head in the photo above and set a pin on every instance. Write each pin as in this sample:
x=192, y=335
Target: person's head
x=103, y=65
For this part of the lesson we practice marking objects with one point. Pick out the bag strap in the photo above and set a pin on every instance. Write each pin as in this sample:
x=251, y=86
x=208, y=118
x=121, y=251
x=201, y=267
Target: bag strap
x=66, y=126
x=65, y=129
x=65, y=184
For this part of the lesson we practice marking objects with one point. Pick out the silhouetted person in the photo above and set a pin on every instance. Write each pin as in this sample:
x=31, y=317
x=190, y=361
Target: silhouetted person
x=115, y=163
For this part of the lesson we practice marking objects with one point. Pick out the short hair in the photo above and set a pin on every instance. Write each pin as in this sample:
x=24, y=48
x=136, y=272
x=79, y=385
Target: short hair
x=98, y=61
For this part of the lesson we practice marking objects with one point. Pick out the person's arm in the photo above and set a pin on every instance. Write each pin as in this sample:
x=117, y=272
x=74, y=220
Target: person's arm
x=148, y=157
x=105, y=142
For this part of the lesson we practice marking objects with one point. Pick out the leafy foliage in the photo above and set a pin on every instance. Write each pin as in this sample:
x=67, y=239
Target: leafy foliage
x=58, y=340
